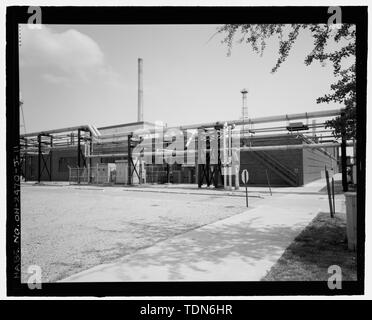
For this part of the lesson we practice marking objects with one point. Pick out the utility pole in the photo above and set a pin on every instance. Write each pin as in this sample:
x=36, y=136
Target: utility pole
x=244, y=108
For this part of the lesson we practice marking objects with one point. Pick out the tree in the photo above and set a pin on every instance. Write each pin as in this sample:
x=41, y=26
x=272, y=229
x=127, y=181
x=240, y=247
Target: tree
x=342, y=91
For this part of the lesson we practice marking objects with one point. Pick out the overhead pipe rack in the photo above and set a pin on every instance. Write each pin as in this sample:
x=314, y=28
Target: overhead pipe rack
x=57, y=139
x=60, y=138
x=287, y=117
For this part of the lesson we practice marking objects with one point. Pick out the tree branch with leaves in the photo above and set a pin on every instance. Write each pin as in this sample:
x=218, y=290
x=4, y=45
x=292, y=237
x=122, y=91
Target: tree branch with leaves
x=342, y=91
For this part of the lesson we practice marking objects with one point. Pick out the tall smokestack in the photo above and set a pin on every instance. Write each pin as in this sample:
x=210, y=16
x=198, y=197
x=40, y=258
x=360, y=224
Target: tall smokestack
x=140, y=91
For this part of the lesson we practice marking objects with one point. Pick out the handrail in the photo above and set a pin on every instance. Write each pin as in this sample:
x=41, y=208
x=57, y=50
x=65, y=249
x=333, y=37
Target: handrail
x=283, y=171
x=277, y=162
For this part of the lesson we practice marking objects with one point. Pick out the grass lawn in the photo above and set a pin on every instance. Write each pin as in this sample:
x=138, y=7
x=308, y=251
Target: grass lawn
x=321, y=244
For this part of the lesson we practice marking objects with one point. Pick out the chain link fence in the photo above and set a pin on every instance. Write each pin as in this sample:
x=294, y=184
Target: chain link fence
x=78, y=175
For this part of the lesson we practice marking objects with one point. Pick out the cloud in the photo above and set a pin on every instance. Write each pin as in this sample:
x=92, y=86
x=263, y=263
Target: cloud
x=64, y=56
x=55, y=79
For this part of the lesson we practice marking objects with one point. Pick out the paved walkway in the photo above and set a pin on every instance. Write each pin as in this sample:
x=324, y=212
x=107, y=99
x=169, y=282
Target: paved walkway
x=240, y=248
x=310, y=188
x=314, y=187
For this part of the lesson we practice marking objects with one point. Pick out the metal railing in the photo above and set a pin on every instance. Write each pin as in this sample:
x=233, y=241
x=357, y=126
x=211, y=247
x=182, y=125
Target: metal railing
x=278, y=167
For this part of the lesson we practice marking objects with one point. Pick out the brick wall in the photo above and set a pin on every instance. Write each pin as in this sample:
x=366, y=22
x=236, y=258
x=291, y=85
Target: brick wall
x=313, y=164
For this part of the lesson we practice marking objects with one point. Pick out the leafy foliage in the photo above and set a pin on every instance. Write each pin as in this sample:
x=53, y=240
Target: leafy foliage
x=342, y=91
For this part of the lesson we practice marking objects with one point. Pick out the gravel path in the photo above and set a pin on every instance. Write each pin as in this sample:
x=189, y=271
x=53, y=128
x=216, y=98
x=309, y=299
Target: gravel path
x=67, y=230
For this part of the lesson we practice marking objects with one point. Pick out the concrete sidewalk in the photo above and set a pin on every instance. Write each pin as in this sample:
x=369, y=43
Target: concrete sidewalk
x=240, y=248
x=314, y=188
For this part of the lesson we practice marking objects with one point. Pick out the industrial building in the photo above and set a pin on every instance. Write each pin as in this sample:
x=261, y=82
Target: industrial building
x=292, y=153
x=55, y=155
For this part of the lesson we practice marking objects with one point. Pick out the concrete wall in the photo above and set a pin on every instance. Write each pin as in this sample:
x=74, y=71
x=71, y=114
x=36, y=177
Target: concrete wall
x=313, y=164
x=291, y=159
x=309, y=163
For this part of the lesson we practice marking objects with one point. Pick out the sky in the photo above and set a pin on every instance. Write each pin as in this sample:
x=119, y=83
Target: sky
x=87, y=74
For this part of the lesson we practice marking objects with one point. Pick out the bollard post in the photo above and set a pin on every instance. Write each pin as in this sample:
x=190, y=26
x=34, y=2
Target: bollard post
x=333, y=196
x=351, y=219
x=329, y=193
x=245, y=179
x=268, y=182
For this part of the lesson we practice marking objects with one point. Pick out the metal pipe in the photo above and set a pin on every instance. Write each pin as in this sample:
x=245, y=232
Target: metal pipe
x=180, y=152
x=84, y=127
x=317, y=114
x=34, y=153
x=94, y=131
x=108, y=155
x=295, y=146
x=247, y=148
x=61, y=147
x=287, y=117
x=284, y=129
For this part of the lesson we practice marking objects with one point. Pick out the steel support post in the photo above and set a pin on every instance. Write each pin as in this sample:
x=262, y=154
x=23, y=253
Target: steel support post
x=185, y=148
x=25, y=161
x=200, y=166
x=168, y=170
x=229, y=146
x=343, y=165
x=78, y=149
x=218, y=172
x=50, y=159
x=78, y=159
x=197, y=162
x=129, y=182
x=207, y=159
x=224, y=156
x=39, y=159
x=343, y=157
x=90, y=159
